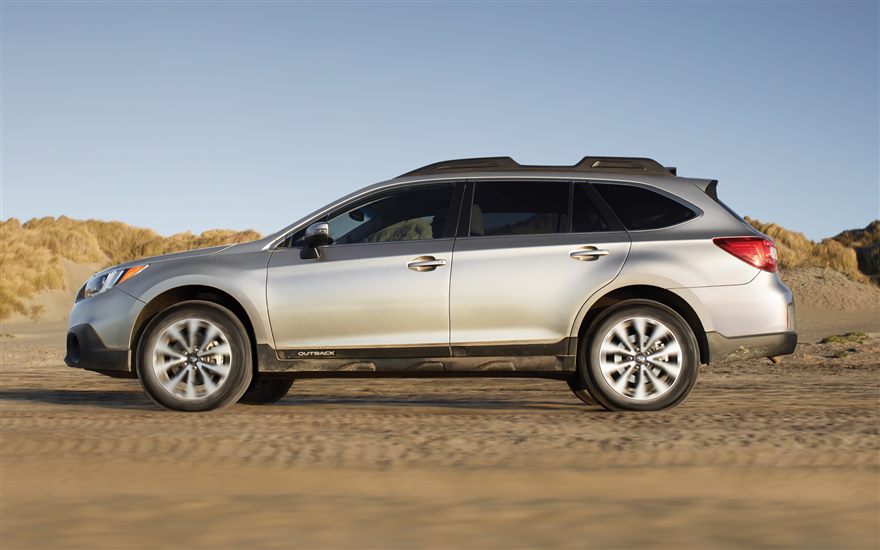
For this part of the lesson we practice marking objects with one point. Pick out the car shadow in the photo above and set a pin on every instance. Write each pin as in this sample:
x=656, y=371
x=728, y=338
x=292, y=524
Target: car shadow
x=136, y=400
x=92, y=398
x=293, y=400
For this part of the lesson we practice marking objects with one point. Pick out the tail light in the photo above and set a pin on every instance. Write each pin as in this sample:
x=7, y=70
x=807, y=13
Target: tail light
x=755, y=251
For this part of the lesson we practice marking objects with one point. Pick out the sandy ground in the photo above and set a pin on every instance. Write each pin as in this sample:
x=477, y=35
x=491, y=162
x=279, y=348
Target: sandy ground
x=760, y=455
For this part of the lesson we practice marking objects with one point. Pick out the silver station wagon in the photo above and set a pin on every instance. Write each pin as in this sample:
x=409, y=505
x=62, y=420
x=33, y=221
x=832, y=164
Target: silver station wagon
x=613, y=275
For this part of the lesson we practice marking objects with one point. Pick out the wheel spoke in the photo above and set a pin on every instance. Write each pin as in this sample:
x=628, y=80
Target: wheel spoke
x=174, y=333
x=671, y=349
x=610, y=348
x=190, y=384
x=210, y=334
x=222, y=349
x=671, y=369
x=210, y=385
x=171, y=383
x=620, y=333
x=659, y=385
x=165, y=365
x=620, y=383
x=639, y=328
x=192, y=328
x=165, y=350
x=609, y=367
x=641, y=389
x=660, y=333
x=219, y=370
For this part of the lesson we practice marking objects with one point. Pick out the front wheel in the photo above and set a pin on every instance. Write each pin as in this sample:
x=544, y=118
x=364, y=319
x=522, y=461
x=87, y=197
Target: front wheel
x=195, y=356
x=640, y=356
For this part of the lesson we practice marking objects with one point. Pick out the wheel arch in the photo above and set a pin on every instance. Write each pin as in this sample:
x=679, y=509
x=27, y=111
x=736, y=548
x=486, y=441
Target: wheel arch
x=203, y=293
x=648, y=292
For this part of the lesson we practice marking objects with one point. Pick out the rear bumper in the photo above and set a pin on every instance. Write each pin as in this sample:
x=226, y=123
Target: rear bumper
x=722, y=348
x=86, y=350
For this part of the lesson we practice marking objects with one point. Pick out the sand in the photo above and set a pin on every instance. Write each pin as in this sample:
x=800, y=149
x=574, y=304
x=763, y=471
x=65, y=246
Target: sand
x=759, y=455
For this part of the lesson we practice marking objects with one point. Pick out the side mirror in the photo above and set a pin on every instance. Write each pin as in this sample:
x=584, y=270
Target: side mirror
x=317, y=234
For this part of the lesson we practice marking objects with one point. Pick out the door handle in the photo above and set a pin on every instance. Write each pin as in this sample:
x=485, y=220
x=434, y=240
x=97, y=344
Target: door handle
x=425, y=263
x=587, y=253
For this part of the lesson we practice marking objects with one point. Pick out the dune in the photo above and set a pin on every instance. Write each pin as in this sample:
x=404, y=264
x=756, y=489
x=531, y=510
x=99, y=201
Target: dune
x=45, y=260
x=55, y=304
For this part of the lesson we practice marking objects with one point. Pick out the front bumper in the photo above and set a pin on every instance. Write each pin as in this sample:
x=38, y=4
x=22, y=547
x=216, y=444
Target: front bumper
x=722, y=348
x=99, y=332
x=85, y=350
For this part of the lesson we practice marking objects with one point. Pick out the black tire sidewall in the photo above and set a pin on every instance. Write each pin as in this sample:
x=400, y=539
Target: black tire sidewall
x=265, y=391
x=579, y=388
x=588, y=356
x=241, y=370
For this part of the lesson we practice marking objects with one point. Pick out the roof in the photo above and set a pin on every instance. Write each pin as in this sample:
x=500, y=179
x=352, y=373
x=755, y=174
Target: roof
x=626, y=165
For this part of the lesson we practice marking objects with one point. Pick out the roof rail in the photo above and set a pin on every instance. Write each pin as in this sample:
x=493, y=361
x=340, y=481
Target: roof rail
x=627, y=165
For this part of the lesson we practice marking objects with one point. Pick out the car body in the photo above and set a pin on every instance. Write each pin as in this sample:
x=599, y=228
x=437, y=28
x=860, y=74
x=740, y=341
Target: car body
x=461, y=268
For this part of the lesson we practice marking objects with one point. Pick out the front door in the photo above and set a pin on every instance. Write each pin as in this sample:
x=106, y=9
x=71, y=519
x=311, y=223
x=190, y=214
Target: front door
x=381, y=285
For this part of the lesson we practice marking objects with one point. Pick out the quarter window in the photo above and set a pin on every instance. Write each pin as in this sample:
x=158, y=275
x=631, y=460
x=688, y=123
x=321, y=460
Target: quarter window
x=519, y=208
x=640, y=208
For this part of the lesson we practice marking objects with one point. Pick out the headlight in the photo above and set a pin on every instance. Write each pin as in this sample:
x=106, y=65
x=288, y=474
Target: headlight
x=106, y=281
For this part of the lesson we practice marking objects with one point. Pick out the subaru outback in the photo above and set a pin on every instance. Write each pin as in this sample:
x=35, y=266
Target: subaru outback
x=613, y=275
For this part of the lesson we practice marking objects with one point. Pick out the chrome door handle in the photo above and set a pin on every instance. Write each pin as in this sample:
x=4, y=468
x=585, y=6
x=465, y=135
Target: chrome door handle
x=587, y=254
x=425, y=263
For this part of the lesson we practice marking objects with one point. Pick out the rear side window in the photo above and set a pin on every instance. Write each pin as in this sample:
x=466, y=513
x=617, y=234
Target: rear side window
x=519, y=208
x=639, y=208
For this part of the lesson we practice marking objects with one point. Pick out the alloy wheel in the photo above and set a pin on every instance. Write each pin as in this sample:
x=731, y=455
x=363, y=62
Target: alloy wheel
x=640, y=358
x=192, y=358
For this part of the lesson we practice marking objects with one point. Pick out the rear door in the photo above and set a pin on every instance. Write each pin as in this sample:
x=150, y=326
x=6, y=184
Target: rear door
x=381, y=286
x=529, y=255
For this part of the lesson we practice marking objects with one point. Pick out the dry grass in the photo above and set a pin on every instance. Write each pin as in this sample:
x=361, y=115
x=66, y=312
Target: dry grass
x=848, y=338
x=866, y=243
x=796, y=250
x=29, y=252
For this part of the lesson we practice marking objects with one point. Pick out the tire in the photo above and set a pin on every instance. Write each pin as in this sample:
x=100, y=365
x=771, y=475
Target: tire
x=195, y=356
x=265, y=391
x=623, y=365
x=579, y=389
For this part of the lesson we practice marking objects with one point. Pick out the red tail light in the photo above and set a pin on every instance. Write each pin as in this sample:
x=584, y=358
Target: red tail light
x=755, y=251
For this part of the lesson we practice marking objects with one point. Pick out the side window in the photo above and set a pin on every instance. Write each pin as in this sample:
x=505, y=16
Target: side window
x=640, y=208
x=411, y=214
x=519, y=208
x=585, y=215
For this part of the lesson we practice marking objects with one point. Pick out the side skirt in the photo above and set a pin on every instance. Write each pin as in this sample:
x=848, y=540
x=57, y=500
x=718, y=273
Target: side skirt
x=509, y=362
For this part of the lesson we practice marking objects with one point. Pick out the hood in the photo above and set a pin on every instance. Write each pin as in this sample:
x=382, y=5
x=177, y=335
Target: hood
x=175, y=256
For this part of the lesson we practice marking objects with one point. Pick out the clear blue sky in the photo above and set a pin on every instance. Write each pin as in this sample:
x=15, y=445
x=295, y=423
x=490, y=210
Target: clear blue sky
x=190, y=116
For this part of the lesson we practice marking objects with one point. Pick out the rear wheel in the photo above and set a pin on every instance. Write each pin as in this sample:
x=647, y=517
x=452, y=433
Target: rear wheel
x=265, y=391
x=640, y=356
x=195, y=356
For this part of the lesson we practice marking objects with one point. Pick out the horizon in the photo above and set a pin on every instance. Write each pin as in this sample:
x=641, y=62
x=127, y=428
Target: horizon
x=189, y=116
x=262, y=235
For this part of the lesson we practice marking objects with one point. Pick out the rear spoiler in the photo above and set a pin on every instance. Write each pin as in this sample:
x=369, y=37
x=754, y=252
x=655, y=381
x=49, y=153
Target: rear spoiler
x=710, y=187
